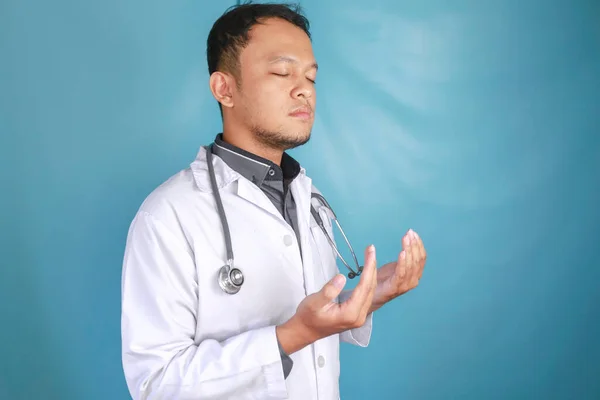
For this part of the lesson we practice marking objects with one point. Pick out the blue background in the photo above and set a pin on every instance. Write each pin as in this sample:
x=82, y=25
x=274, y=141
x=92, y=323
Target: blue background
x=476, y=123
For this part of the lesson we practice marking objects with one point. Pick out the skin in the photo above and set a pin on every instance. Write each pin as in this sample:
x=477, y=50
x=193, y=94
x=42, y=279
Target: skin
x=276, y=78
x=268, y=108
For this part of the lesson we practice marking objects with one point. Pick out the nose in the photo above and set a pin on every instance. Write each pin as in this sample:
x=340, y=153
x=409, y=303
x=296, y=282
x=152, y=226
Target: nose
x=303, y=89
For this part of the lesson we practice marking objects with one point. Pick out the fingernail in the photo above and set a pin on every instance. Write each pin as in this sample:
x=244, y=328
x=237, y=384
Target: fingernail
x=372, y=248
x=338, y=281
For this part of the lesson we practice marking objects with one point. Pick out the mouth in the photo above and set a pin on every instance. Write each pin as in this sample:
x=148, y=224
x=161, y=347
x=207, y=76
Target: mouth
x=301, y=113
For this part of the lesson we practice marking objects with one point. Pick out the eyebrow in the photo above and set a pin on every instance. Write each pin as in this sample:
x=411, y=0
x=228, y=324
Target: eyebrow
x=290, y=60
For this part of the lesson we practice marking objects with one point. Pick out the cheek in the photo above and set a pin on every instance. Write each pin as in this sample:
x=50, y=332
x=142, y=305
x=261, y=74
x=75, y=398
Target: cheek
x=274, y=92
x=271, y=100
x=266, y=102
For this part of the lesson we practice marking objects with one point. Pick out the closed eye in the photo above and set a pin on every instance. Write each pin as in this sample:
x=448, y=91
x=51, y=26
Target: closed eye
x=285, y=75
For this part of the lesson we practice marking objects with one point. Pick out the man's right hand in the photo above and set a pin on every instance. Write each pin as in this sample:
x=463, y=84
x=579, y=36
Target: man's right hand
x=319, y=316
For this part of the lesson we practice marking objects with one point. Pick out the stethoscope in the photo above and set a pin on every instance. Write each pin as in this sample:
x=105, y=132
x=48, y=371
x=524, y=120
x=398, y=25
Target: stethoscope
x=231, y=278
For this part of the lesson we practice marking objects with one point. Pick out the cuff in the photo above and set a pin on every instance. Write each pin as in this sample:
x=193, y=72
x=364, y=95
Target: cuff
x=286, y=362
x=276, y=387
x=360, y=336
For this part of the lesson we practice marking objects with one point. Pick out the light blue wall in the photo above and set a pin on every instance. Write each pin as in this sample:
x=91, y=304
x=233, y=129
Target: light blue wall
x=476, y=123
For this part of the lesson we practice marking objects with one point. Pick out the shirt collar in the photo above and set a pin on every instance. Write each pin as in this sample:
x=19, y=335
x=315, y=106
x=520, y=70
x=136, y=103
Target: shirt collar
x=254, y=168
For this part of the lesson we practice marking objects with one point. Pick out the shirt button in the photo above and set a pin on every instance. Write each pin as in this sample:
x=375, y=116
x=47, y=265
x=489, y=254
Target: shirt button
x=287, y=240
x=321, y=361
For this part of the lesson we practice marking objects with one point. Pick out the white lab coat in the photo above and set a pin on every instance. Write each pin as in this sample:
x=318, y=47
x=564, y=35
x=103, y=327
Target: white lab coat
x=182, y=336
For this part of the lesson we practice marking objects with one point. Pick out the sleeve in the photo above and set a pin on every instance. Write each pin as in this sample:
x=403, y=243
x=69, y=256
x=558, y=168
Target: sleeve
x=358, y=336
x=161, y=359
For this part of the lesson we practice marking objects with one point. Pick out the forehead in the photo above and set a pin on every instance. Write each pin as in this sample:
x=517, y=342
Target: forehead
x=278, y=38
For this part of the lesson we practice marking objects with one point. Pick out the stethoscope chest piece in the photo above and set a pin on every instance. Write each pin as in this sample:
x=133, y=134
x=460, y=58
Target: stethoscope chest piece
x=230, y=279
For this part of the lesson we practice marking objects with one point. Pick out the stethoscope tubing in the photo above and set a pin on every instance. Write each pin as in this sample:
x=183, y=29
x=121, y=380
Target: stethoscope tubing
x=228, y=274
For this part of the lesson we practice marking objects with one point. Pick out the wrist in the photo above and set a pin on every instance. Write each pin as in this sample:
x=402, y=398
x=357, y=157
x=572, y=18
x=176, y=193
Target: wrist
x=293, y=336
x=375, y=305
x=378, y=301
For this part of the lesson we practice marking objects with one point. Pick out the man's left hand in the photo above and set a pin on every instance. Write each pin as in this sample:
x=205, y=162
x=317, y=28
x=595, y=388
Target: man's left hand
x=398, y=277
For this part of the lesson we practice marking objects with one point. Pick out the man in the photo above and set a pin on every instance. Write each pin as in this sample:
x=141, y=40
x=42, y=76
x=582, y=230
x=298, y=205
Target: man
x=278, y=335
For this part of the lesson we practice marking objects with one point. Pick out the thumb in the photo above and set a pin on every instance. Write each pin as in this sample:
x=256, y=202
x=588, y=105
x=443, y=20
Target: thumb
x=333, y=288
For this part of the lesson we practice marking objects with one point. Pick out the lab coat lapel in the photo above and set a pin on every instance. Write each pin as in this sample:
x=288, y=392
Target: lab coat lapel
x=252, y=193
x=301, y=190
x=225, y=176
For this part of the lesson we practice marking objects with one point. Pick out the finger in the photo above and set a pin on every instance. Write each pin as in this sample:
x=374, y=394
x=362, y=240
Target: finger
x=410, y=256
x=414, y=244
x=331, y=290
x=406, y=240
x=420, y=259
x=423, y=251
x=416, y=253
x=423, y=259
x=361, y=291
x=370, y=268
x=401, y=265
x=419, y=249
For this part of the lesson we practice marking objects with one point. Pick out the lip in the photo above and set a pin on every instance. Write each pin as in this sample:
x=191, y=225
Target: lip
x=302, y=113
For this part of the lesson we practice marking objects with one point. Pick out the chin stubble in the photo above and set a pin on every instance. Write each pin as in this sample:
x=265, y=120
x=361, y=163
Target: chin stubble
x=279, y=140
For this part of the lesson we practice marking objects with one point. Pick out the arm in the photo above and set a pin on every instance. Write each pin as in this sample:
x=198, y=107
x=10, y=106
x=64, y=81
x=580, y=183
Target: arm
x=321, y=314
x=159, y=303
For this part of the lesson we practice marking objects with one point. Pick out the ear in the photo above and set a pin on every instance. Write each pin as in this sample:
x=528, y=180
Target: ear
x=221, y=86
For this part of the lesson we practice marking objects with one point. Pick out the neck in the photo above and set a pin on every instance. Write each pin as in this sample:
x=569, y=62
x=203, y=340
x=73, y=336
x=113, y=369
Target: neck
x=243, y=139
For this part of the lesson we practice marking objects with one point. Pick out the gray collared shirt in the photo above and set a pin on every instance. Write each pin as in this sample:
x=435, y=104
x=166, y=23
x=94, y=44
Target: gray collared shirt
x=274, y=181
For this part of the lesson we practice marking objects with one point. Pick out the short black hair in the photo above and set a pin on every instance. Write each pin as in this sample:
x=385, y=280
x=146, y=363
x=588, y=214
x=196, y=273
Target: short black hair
x=229, y=34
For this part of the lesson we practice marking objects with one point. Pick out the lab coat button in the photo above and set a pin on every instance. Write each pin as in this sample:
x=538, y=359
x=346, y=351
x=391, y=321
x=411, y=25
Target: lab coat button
x=321, y=361
x=287, y=240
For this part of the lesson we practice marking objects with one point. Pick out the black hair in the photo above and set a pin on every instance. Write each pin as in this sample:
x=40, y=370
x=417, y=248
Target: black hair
x=229, y=34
